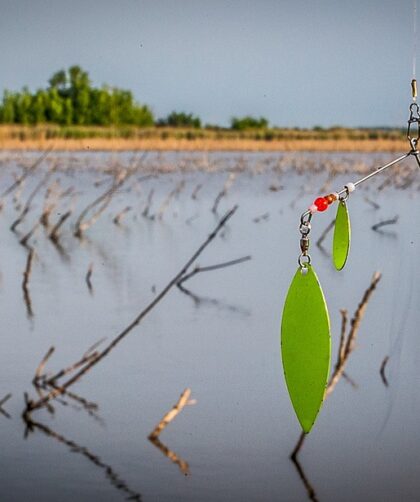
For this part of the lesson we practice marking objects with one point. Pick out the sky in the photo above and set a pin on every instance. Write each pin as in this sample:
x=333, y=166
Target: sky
x=299, y=63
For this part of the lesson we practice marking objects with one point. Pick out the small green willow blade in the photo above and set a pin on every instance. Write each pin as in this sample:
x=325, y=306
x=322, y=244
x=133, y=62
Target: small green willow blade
x=306, y=346
x=342, y=235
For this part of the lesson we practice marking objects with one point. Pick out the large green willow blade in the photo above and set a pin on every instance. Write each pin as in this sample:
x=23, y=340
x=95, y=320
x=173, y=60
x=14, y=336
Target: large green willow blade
x=342, y=234
x=306, y=346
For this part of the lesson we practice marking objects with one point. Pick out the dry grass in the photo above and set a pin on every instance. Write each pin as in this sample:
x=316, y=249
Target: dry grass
x=95, y=138
x=157, y=144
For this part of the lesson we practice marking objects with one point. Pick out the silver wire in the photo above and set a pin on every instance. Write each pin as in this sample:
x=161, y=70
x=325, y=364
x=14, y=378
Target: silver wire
x=358, y=182
x=414, y=38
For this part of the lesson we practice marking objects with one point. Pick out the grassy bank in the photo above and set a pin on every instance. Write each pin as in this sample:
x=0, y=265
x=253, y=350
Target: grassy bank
x=157, y=138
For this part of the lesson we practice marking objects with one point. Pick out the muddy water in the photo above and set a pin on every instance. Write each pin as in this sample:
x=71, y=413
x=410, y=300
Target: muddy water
x=223, y=342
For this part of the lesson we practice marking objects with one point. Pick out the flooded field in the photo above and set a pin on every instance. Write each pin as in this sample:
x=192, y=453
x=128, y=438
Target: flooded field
x=217, y=334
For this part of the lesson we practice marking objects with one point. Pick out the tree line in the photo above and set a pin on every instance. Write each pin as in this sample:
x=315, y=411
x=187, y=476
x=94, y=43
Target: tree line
x=71, y=99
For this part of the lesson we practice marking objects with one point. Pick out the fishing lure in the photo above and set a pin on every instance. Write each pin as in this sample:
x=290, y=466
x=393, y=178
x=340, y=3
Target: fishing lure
x=342, y=233
x=305, y=325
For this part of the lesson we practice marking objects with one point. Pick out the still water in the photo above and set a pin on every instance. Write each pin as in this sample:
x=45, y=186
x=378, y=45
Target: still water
x=223, y=342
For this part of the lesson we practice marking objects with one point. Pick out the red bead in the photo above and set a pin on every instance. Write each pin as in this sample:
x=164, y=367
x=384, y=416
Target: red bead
x=321, y=203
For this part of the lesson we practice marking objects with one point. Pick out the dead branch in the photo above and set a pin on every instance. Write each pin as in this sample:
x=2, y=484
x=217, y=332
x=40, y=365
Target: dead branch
x=223, y=192
x=198, y=269
x=28, y=171
x=330, y=178
x=189, y=220
x=2, y=402
x=324, y=234
x=391, y=221
x=385, y=183
x=183, y=401
x=341, y=347
x=194, y=195
x=52, y=195
x=39, y=390
x=5, y=399
x=39, y=372
x=307, y=484
x=148, y=205
x=91, y=349
x=182, y=464
x=90, y=407
x=31, y=197
x=46, y=213
x=118, y=217
x=74, y=447
x=25, y=284
x=17, y=195
x=69, y=369
x=97, y=357
x=88, y=278
x=382, y=371
x=172, y=194
x=54, y=234
x=214, y=302
x=41, y=382
x=24, y=240
x=372, y=203
x=263, y=217
x=351, y=337
x=105, y=198
x=350, y=380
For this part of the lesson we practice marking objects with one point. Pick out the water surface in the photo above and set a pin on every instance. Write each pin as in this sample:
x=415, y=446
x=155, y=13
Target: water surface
x=223, y=343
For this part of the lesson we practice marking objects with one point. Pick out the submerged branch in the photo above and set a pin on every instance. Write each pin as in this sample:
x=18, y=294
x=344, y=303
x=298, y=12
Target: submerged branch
x=174, y=193
x=25, y=284
x=88, y=278
x=183, y=401
x=324, y=234
x=118, y=217
x=198, y=269
x=97, y=357
x=173, y=457
x=54, y=234
x=28, y=204
x=223, y=192
x=21, y=178
x=381, y=224
x=382, y=371
x=105, y=198
x=2, y=402
x=74, y=447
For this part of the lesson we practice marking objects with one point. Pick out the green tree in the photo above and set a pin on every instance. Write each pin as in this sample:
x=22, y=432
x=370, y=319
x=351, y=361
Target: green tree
x=71, y=99
x=79, y=93
x=38, y=107
x=54, y=106
x=248, y=122
x=180, y=119
x=59, y=82
x=23, y=110
x=7, y=108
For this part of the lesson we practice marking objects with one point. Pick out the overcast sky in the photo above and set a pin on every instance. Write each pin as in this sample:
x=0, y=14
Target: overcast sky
x=298, y=63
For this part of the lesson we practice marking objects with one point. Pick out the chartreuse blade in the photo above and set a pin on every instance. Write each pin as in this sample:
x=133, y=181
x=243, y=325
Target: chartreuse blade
x=306, y=346
x=342, y=234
